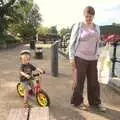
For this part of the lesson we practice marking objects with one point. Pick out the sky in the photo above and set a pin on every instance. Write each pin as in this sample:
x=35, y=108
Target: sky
x=64, y=13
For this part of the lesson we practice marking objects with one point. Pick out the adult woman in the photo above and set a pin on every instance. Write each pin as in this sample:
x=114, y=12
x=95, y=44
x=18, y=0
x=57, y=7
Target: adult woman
x=83, y=55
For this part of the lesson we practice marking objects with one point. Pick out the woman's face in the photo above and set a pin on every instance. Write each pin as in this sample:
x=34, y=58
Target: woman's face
x=88, y=18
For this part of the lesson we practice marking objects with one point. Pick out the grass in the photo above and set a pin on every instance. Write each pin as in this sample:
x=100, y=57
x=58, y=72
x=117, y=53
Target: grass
x=42, y=45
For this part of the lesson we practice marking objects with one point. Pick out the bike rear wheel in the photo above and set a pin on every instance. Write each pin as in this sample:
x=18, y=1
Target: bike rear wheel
x=20, y=89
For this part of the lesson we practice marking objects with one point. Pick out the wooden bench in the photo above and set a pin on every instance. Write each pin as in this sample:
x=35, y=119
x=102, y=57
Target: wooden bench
x=18, y=114
x=39, y=114
x=36, y=113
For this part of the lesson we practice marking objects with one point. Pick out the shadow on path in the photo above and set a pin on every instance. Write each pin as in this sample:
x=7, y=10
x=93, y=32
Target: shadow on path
x=110, y=114
x=64, y=113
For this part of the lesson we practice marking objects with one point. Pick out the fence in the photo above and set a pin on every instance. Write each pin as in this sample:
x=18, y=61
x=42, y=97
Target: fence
x=63, y=46
x=116, y=58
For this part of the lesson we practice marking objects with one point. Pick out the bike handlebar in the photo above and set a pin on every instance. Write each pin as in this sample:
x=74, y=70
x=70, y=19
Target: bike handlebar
x=37, y=74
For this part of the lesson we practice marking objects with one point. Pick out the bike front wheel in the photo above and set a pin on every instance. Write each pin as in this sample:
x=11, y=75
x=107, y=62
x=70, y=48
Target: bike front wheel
x=43, y=99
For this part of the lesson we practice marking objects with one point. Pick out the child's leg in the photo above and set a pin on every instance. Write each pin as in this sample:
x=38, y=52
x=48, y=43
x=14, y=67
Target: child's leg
x=26, y=94
x=33, y=85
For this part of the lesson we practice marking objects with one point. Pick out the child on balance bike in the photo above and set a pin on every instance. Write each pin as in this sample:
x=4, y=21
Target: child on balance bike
x=26, y=70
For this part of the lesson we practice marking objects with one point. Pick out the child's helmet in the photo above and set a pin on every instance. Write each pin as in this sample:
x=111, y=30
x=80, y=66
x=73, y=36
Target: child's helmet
x=25, y=52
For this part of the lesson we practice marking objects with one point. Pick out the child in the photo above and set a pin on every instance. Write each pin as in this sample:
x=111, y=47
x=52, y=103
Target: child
x=26, y=72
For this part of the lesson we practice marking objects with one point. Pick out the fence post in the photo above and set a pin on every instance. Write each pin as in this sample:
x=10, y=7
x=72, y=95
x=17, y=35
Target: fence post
x=114, y=59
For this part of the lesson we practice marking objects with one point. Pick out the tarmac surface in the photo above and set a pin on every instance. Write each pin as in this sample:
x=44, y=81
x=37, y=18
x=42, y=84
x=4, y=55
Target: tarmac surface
x=58, y=88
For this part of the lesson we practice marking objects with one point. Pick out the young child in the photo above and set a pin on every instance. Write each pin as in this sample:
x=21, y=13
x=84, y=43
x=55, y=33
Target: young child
x=26, y=72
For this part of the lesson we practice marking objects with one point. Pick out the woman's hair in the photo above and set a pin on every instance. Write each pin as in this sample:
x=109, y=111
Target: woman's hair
x=90, y=10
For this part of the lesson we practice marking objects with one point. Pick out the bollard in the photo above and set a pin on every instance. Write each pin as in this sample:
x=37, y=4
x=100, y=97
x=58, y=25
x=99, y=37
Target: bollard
x=54, y=64
x=54, y=50
x=33, y=42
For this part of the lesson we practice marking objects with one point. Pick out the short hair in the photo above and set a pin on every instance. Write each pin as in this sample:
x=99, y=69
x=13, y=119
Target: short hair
x=90, y=10
x=27, y=52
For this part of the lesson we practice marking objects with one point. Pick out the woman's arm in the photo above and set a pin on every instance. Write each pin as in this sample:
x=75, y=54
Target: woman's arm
x=72, y=41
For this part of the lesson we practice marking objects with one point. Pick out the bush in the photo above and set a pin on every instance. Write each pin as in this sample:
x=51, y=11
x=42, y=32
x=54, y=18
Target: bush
x=9, y=39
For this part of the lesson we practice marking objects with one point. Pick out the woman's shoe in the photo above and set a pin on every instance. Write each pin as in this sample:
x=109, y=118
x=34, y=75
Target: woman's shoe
x=82, y=106
x=102, y=108
x=99, y=107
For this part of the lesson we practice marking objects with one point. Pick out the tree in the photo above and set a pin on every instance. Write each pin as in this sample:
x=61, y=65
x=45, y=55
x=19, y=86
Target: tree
x=4, y=7
x=116, y=24
x=34, y=17
x=110, y=29
x=27, y=26
x=43, y=30
x=10, y=12
x=64, y=31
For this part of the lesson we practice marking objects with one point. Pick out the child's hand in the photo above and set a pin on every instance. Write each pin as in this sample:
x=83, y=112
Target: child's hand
x=27, y=76
x=41, y=71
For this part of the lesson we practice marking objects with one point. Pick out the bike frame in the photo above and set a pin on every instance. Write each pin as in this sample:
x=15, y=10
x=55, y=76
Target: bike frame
x=36, y=88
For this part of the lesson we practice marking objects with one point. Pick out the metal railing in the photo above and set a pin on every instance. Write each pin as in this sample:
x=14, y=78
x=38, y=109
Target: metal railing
x=114, y=58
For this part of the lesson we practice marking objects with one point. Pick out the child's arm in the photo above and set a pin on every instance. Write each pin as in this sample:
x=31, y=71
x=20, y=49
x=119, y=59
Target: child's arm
x=24, y=74
x=40, y=70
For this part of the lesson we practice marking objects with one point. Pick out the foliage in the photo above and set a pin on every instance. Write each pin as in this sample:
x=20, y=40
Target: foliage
x=64, y=31
x=27, y=27
x=43, y=30
x=9, y=13
x=110, y=29
x=34, y=17
x=19, y=17
x=9, y=39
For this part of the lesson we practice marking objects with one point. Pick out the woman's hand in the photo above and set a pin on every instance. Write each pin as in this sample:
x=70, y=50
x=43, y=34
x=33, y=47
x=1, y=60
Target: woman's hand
x=73, y=63
x=73, y=84
x=74, y=74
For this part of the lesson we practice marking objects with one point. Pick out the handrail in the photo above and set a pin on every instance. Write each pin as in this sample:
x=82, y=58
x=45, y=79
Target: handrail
x=57, y=41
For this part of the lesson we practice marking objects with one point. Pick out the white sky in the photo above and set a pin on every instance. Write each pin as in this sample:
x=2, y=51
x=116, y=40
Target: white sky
x=64, y=13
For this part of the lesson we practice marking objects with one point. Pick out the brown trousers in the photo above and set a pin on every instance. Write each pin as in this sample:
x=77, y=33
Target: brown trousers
x=85, y=68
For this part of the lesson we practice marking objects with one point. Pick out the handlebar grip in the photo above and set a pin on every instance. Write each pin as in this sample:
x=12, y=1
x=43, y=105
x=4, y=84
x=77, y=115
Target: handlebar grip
x=37, y=74
x=43, y=72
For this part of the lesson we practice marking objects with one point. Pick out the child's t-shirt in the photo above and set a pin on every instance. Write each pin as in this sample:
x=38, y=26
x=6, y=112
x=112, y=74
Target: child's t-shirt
x=26, y=68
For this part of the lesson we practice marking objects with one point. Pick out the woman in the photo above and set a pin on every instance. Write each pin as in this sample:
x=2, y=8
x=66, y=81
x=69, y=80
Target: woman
x=83, y=55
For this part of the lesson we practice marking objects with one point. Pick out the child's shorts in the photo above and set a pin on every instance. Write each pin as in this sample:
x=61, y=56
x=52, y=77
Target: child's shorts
x=28, y=85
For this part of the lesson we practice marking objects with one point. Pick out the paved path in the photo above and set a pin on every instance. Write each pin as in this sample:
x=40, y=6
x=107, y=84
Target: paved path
x=59, y=89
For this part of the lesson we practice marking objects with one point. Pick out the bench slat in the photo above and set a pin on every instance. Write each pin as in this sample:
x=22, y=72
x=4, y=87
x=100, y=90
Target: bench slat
x=18, y=114
x=39, y=113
